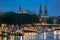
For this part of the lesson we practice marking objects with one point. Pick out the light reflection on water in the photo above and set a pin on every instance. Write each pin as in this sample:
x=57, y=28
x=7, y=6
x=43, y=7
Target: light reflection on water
x=41, y=36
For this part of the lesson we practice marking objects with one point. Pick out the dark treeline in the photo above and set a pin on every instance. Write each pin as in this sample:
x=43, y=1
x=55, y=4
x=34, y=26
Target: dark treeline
x=16, y=18
x=23, y=18
x=50, y=20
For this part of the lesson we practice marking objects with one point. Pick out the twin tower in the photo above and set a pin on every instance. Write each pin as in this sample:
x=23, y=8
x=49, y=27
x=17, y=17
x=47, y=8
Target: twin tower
x=45, y=11
x=40, y=11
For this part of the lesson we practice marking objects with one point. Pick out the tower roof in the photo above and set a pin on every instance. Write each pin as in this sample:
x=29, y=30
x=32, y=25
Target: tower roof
x=40, y=11
x=45, y=11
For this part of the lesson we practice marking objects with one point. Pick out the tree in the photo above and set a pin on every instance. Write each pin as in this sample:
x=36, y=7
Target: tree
x=1, y=15
x=10, y=17
x=35, y=18
x=0, y=19
x=58, y=21
x=28, y=18
x=49, y=20
x=16, y=18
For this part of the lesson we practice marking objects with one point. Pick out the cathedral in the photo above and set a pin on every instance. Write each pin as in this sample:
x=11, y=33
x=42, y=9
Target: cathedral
x=39, y=14
x=43, y=17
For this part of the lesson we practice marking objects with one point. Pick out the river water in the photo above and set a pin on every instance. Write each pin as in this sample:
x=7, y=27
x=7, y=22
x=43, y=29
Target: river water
x=41, y=36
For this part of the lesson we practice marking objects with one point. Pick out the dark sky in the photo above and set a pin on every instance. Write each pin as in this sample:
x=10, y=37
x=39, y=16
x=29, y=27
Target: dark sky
x=53, y=6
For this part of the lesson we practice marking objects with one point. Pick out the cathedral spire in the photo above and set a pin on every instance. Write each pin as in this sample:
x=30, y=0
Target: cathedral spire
x=45, y=11
x=40, y=11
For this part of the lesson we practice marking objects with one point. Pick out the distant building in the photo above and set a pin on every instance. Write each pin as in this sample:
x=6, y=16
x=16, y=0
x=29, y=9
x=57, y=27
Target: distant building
x=41, y=17
x=24, y=11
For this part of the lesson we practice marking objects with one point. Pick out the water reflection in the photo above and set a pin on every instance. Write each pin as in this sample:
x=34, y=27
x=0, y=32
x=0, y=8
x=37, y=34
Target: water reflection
x=18, y=38
x=37, y=36
x=43, y=36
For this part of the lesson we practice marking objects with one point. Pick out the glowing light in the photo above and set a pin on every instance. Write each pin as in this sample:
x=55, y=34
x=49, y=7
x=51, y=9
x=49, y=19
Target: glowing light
x=54, y=34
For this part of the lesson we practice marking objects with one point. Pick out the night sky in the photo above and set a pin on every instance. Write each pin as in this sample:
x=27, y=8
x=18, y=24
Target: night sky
x=53, y=6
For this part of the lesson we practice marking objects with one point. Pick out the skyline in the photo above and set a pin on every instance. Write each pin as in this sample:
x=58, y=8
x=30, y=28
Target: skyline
x=53, y=6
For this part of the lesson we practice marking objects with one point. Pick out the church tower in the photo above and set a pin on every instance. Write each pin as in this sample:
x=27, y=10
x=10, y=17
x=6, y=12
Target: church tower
x=40, y=11
x=45, y=11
